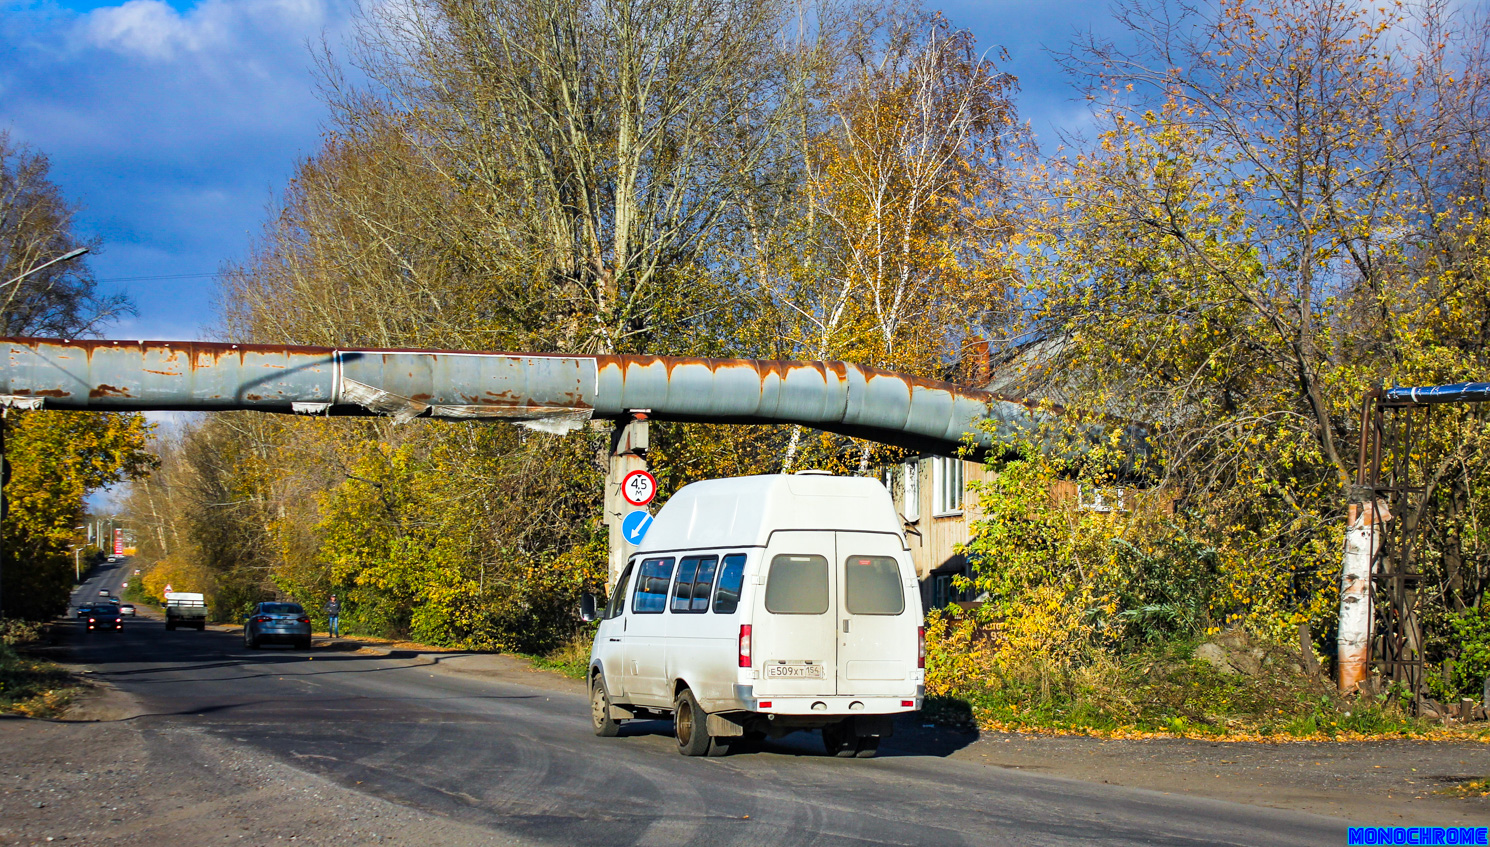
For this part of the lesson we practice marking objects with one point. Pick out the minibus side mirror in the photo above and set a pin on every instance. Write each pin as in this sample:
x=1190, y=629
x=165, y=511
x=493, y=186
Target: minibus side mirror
x=587, y=607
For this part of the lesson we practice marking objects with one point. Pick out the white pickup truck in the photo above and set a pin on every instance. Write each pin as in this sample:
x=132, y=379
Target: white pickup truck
x=186, y=608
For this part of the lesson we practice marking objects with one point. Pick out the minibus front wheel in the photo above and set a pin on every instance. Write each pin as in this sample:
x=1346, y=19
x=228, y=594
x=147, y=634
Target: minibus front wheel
x=605, y=725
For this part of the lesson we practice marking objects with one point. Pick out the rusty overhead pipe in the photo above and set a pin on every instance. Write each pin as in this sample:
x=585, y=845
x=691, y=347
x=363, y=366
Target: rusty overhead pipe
x=554, y=393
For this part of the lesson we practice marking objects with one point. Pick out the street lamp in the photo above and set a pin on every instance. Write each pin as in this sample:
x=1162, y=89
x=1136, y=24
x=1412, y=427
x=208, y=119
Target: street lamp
x=71, y=254
x=4, y=470
x=77, y=573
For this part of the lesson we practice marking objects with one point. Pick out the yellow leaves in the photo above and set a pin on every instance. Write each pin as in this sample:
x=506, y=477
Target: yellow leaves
x=182, y=574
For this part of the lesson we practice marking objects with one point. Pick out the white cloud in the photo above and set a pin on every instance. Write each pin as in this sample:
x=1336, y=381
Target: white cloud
x=155, y=30
x=147, y=28
x=173, y=125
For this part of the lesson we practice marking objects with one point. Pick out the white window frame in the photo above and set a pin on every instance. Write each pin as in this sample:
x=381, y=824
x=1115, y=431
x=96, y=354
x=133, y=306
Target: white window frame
x=946, y=476
x=1093, y=499
x=910, y=491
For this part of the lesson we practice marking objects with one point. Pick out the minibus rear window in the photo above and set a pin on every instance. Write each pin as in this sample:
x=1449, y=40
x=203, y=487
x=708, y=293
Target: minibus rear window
x=731, y=577
x=798, y=585
x=871, y=586
x=651, y=586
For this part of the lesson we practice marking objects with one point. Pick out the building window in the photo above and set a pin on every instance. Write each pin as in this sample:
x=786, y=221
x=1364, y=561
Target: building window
x=1089, y=499
x=910, y=491
x=944, y=592
x=946, y=480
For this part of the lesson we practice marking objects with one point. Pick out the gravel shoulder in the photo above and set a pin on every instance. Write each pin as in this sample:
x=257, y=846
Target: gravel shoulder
x=1378, y=782
x=103, y=777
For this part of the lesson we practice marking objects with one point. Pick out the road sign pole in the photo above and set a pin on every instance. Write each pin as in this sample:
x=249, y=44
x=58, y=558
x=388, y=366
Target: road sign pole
x=628, y=452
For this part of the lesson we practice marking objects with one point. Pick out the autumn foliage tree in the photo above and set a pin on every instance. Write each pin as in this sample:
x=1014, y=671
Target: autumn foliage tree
x=55, y=459
x=580, y=177
x=1280, y=210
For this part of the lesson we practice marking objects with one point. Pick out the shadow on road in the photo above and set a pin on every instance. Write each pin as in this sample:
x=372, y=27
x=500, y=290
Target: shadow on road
x=145, y=654
x=911, y=739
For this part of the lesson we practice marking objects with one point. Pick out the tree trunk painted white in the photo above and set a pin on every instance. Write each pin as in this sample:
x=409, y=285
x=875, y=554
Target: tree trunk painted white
x=1362, y=540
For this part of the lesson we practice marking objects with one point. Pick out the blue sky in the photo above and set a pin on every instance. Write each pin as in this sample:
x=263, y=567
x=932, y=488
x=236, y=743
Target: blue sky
x=175, y=125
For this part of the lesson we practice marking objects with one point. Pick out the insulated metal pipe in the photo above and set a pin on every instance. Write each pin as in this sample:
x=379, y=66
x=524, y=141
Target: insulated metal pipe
x=549, y=392
x=1459, y=392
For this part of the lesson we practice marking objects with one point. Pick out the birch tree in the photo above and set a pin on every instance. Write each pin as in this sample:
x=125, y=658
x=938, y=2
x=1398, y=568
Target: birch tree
x=594, y=133
x=36, y=227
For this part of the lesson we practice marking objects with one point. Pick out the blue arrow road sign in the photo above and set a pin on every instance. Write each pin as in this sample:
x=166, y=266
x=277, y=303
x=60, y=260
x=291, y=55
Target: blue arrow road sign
x=635, y=525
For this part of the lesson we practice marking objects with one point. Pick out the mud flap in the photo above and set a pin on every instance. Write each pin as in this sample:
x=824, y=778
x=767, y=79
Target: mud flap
x=725, y=726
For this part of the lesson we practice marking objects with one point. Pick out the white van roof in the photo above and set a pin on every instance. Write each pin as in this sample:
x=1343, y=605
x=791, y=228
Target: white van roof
x=744, y=511
x=188, y=596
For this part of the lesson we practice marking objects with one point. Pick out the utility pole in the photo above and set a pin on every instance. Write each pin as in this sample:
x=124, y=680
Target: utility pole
x=628, y=452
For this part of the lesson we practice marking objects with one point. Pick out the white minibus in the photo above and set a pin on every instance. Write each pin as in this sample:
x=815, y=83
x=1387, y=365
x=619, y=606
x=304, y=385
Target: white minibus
x=761, y=605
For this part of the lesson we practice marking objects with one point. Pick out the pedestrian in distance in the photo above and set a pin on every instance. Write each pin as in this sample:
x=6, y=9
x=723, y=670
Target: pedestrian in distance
x=333, y=617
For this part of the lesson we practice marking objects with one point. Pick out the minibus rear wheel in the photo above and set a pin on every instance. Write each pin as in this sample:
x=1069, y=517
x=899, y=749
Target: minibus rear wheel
x=691, y=725
x=839, y=740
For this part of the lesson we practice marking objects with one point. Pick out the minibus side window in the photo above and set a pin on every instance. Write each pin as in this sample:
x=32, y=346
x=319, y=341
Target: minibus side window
x=651, y=586
x=618, y=596
x=683, y=588
x=703, y=584
x=871, y=586
x=797, y=585
x=731, y=577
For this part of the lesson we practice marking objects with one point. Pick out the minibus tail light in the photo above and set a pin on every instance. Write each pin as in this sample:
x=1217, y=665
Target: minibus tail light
x=921, y=647
x=745, y=645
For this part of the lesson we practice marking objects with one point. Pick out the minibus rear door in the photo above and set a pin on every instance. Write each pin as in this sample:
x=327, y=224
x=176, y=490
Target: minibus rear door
x=793, y=638
x=877, y=624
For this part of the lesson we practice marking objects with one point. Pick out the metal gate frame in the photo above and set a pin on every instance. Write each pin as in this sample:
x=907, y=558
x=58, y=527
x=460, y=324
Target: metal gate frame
x=1391, y=428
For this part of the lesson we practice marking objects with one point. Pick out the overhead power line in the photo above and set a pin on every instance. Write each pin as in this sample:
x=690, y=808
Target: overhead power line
x=151, y=278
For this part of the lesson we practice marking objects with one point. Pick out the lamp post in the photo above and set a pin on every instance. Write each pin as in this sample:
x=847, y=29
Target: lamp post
x=77, y=572
x=71, y=254
x=4, y=463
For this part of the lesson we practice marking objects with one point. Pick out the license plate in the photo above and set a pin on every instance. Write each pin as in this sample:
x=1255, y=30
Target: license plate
x=794, y=671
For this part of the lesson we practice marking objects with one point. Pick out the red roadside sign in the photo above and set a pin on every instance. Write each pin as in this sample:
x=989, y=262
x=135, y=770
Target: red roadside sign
x=638, y=487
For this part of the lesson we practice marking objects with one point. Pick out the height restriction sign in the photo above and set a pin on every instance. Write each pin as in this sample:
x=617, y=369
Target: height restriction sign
x=638, y=487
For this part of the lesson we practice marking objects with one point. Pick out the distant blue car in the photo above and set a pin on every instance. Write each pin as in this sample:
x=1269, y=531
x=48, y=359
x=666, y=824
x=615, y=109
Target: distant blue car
x=285, y=623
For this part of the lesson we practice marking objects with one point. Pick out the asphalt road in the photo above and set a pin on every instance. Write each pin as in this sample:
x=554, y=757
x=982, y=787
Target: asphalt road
x=109, y=578
x=520, y=760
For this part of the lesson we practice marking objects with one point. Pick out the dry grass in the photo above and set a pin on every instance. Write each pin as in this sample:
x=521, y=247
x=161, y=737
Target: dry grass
x=29, y=686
